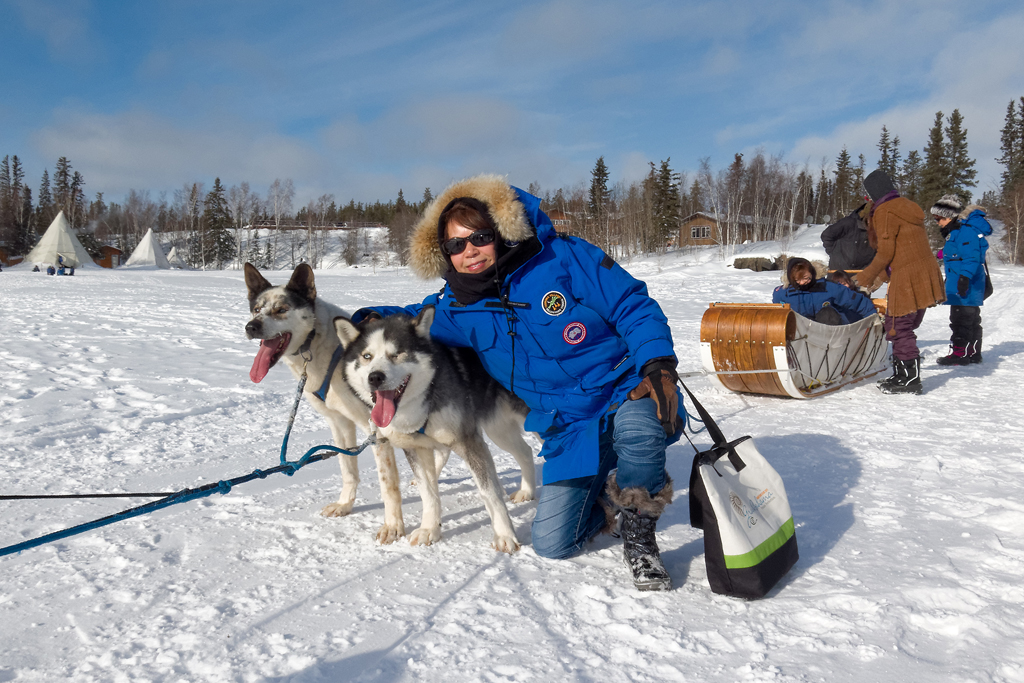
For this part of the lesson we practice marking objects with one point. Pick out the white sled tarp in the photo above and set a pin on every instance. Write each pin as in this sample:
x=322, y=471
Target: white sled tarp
x=148, y=253
x=59, y=243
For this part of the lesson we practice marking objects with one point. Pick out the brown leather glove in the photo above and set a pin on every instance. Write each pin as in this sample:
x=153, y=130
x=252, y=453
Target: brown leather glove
x=660, y=385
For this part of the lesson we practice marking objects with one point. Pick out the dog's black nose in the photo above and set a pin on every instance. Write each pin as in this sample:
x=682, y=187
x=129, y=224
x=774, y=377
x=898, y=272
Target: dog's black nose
x=253, y=328
x=376, y=378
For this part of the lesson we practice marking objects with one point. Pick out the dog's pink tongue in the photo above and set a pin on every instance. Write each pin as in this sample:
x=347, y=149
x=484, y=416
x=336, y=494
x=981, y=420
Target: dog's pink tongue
x=261, y=365
x=384, y=409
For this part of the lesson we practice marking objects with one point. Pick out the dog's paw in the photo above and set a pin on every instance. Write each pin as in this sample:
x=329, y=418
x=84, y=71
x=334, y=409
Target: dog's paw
x=522, y=496
x=389, y=533
x=425, y=536
x=336, y=509
x=505, y=544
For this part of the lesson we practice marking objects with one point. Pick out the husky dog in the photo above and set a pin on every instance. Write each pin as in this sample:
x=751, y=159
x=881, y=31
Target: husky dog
x=425, y=396
x=297, y=327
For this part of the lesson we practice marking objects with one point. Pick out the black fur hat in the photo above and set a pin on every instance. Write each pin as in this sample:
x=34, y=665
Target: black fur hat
x=878, y=184
x=948, y=206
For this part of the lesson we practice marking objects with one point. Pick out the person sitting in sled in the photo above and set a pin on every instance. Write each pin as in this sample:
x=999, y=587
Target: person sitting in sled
x=565, y=328
x=963, y=256
x=822, y=301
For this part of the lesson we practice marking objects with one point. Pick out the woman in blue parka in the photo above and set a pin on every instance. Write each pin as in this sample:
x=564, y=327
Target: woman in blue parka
x=565, y=328
x=963, y=255
x=823, y=301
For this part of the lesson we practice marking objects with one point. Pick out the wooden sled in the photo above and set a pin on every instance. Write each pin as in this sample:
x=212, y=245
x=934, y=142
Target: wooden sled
x=775, y=351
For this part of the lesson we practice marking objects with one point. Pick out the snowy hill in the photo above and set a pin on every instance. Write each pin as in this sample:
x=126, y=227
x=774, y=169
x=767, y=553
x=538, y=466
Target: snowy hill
x=908, y=509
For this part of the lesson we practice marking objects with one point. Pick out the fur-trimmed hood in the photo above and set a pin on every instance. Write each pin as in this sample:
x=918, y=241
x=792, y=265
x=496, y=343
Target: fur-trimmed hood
x=971, y=208
x=507, y=212
x=820, y=270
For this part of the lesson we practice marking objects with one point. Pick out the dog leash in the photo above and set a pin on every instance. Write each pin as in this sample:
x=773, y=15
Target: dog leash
x=314, y=454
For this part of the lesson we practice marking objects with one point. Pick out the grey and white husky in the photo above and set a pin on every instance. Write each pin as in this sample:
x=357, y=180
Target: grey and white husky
x=426, y=397
x=296, y=326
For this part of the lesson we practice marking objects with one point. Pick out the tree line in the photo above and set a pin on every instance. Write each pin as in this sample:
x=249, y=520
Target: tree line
x=759, y=196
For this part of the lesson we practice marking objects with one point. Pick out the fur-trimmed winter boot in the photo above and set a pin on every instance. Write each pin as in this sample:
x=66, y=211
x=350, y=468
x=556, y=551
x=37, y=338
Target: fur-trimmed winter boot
x=908, y=380
x=958, y=355
x=639, y=512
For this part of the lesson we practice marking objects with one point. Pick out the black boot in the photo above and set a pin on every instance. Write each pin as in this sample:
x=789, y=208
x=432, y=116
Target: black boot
x=883, y=384
x=958, y=355
x=974, y=351
x=908, y=380
x=640, y=511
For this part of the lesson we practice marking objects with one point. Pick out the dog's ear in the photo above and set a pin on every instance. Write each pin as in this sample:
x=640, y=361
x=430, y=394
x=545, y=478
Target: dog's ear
x=347, y=331
x=302, y=282
x=423, y=321
x=254, y=282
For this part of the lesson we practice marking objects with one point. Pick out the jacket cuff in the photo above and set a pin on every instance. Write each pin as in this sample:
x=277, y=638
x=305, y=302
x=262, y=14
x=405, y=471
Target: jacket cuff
x=667, y=363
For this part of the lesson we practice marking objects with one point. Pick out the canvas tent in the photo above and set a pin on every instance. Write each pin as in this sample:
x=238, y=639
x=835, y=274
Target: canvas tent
x=148, y=253
x=58, y=241
x=175, y=260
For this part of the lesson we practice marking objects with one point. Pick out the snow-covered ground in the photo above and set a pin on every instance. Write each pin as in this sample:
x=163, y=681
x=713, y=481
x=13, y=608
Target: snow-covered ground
x=909, y=511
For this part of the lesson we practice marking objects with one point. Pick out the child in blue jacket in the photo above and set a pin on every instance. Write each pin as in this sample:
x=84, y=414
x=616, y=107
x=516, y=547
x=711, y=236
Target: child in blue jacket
x=963, y=256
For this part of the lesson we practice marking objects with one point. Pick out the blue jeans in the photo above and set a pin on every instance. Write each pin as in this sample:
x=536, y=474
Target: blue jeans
x=568, y=514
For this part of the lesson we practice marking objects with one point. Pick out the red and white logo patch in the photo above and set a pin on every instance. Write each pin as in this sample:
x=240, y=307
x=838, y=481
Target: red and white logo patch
x=574, y=333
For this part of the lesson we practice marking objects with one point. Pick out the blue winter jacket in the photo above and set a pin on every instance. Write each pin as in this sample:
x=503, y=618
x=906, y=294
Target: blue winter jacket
x=849, y=304
x=583, y=329
x=963, y=254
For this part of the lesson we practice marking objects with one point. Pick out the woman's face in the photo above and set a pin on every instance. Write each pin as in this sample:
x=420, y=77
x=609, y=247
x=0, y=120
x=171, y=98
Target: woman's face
x=943, y=221
x=474, y=259
x=802, y=277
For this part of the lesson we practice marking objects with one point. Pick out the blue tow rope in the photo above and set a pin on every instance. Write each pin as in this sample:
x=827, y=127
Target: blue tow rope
x=315, y=454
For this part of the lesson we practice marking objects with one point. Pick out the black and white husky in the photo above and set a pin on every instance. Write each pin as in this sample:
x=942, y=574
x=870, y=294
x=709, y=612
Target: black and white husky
x=296, y=326
x=424, y=397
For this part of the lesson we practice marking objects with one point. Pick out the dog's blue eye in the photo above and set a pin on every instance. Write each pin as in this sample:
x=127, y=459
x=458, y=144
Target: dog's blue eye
x=367, y=356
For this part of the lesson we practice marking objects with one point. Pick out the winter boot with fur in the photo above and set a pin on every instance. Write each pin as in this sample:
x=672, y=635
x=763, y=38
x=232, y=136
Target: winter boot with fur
x=640, y=511
x=908, y=379
x=958, y=355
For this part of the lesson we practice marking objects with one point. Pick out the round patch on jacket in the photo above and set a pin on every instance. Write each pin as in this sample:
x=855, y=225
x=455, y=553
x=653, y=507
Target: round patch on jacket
x=574, y=333
x=553, y=303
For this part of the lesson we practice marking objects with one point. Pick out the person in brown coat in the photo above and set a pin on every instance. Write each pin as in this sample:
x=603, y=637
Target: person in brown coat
x=896, y=231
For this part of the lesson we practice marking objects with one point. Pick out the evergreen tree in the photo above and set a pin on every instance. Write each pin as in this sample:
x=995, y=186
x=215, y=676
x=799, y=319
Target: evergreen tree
x=76, y=207
x=7, y=225
x=598, y=204
x=427, y=198
x=845, y=190
x=219, y=243
x=62, y=186
x=936, y=177
x=1011, y=144
x=858, y=180
x=664, y=203
x=961, y=166
x=27, y=237
x=910, y=177
x=44, y=207
x=885, y=156
x=599, y=194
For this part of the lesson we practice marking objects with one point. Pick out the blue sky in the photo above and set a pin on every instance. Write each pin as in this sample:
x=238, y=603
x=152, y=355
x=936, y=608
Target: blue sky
x=360, y=99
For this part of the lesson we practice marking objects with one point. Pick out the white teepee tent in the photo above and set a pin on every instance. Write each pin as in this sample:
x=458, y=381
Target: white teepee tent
x=175, y=260
x=58, y=241
x=148, y=253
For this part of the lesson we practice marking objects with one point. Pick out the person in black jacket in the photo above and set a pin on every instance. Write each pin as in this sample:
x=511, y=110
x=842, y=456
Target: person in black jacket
x=846, y=241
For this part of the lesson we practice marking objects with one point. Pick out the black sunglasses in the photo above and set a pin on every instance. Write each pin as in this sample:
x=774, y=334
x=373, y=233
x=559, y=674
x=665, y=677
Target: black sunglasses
x=457, y=245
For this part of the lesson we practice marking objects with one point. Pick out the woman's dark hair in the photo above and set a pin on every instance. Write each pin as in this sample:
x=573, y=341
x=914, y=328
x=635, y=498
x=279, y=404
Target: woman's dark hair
x=843, y=278
x=466, y=211
x=797, y=267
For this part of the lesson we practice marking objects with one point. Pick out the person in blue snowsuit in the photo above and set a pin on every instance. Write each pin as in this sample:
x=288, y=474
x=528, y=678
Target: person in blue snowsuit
x=565, y=328
x=820, y=300
x=963, y=255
